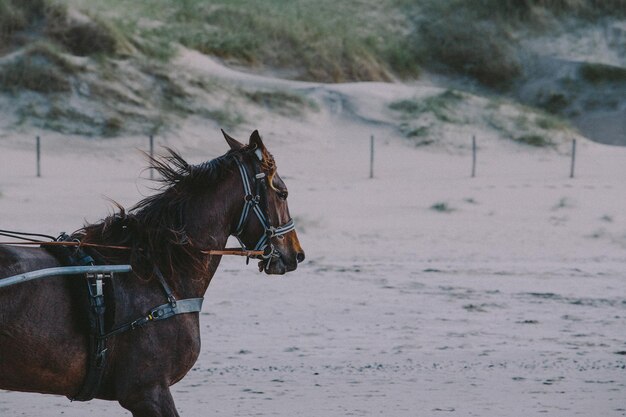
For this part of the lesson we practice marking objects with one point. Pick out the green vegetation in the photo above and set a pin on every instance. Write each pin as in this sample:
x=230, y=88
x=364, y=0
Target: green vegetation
x=41, y=68
x=66, y=120
x=228, y=119
x=352, y=40
x=323, y=40
x=442, y=207
x=423, y=119
x=116, y=54
x=480, y=50
x=555, y=102
x=549, y=122
x=600, y=73
x=441, y=106
x=112, y=126
x=50, y=19
x=282, y=102
x=477, y=38
x=533, y=11
x=16, y=15
x=564, y=202
x=534, y=140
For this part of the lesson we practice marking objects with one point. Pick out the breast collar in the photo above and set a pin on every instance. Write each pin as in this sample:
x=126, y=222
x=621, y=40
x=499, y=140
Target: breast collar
x=253, y=202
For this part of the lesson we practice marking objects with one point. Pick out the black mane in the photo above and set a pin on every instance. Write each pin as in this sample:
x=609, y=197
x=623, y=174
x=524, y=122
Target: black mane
x=154, y=228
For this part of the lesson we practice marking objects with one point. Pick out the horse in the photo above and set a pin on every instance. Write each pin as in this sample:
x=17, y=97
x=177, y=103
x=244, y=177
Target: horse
x=44, y=330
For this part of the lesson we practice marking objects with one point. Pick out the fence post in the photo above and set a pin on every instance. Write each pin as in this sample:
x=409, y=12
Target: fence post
x=151, y=155
x=38, y=151
x=473, y=156
x=571, y=172
x=372, y=156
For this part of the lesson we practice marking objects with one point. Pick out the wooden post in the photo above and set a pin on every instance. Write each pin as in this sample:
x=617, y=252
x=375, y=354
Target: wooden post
x=38, y=150
x=151, y=155
x=372, y=156
x=571, y=172
x=473, y=156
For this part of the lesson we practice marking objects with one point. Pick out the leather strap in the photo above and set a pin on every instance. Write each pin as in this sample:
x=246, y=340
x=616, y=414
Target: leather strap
x=162, y=312
x=97, y=361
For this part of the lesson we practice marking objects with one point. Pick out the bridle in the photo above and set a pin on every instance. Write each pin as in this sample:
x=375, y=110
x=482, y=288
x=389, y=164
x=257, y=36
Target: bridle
x=253, y=202
x=257, y=203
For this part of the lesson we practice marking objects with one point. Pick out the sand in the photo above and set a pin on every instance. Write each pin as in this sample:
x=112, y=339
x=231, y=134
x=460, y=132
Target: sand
x=508, y=300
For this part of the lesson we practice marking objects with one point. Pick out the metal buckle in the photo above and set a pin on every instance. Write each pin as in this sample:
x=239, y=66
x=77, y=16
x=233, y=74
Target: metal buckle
x=96, y=282
x=172, y=301
x=156, y=313
x=138, y=323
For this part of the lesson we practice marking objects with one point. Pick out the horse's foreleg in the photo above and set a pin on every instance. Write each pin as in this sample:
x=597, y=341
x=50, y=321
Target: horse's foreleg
x=151, y=402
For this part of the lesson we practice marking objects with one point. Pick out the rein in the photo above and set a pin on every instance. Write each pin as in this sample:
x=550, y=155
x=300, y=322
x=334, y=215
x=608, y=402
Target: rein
x=253, y=202
x=227, y=251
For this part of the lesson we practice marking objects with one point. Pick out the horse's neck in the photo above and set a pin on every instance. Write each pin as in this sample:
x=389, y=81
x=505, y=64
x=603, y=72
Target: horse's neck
x=213, y=216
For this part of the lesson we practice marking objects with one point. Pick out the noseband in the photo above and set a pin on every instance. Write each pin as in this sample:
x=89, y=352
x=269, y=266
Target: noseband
x=253, y=202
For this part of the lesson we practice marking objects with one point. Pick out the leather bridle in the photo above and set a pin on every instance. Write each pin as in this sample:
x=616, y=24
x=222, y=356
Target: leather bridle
x=257, y=204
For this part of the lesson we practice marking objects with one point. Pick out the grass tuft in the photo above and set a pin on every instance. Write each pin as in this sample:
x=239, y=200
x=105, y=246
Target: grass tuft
x=600, y=73
x=481, y=51
x=112, y=127
x=323, y=40
x=534, y=140
x=478, y=38
x=41, y=68
x=17, y=15
x=442, y=207
x=282, y=102
x=441, y=106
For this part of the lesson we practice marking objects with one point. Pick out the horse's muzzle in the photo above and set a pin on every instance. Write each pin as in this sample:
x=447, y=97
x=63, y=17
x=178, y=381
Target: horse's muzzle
x=279, y=265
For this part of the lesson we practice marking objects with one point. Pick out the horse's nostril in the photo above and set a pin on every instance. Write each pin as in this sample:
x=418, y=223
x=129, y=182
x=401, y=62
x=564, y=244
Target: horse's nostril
x=300, y=257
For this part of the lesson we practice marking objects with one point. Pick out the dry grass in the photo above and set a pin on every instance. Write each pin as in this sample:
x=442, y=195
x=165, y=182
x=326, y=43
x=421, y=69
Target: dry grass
x=477, y=38
x=20, y=19
x=534, y=140
x=323, y=40
x=432, y=120
x=441, y=106
x=40, y=68
x=479, y=50
x=16, y=15
x=600, y=73
x=282, y=102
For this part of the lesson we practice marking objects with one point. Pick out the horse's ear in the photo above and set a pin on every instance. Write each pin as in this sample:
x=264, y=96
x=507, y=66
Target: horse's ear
x=232, y=142
x=255, y=141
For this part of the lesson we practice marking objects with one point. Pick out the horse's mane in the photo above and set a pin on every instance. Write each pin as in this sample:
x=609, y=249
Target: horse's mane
x=154, y=228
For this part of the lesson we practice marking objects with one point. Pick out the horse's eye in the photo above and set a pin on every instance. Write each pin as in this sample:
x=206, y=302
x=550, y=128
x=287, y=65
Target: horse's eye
x=283, y=195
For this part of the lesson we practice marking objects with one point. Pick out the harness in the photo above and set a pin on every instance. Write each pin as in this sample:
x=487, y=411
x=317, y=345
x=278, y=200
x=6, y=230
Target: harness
x=97, y=276
x=257, y=204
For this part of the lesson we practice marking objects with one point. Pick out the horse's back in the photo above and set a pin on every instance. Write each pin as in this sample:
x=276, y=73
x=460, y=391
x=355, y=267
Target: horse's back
x=17, y=260
x=38, y=317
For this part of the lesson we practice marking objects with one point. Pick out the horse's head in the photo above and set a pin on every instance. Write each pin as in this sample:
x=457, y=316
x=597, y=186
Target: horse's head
x=264, y=223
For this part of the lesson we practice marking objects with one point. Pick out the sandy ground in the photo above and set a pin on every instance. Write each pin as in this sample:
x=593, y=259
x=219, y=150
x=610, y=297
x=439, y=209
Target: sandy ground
x=510, y=303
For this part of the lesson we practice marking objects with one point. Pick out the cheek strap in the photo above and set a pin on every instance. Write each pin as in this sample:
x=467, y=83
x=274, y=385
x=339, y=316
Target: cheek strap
x=252, y=203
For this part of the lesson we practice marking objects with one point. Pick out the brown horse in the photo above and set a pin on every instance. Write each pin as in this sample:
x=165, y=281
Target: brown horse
x=44, y=332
